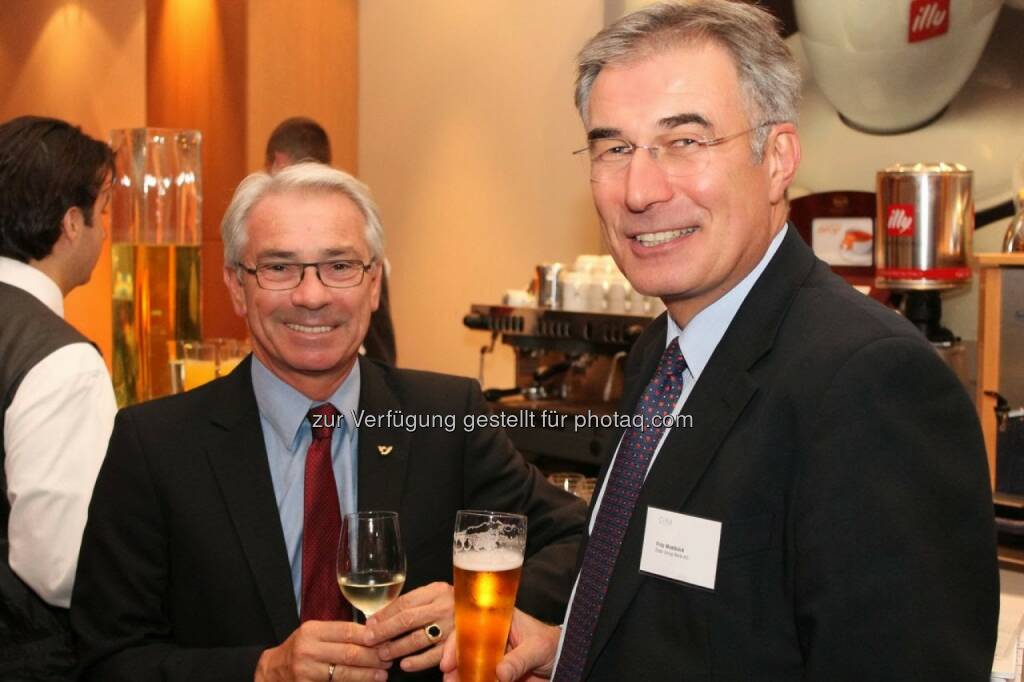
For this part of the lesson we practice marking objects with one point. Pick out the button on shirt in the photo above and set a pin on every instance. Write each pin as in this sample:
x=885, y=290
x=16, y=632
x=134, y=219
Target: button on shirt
x=287, y=435
x=698, y=341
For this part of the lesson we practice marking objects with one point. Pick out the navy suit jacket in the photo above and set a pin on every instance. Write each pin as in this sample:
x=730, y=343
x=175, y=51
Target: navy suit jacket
x=847, y=467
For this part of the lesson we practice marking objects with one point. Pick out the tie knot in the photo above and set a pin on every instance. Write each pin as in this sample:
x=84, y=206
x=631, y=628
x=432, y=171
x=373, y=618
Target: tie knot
x=672, y=361
x=324, y=419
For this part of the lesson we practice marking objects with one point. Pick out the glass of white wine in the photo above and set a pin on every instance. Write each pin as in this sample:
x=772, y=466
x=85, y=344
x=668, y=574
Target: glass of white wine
x=371, y=561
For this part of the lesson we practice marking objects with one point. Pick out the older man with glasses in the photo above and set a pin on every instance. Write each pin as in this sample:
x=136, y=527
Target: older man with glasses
x=210, y=548
x=827, y=515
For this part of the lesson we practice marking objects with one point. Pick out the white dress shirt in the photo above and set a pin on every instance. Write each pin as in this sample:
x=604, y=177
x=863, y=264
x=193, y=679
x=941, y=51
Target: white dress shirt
x=697, y=341
x=55, y=437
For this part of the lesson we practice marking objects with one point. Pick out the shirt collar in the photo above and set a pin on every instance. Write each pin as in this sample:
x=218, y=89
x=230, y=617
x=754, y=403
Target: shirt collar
x=700, y=337
x=33, y=281
x=285, y=408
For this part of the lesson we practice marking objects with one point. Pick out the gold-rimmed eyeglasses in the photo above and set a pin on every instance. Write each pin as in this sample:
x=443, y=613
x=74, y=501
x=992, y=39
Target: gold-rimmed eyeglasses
x=336, y=274
x=678, y=155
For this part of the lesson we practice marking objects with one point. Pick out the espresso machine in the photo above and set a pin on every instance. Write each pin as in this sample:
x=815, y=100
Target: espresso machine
x=568, y=379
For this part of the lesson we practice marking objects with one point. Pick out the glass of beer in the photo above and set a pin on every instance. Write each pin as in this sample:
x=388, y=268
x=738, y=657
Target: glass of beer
x=371, y=562
x=488, y=558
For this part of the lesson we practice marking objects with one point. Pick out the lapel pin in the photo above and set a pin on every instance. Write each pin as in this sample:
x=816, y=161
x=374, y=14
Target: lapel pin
x=385, y=450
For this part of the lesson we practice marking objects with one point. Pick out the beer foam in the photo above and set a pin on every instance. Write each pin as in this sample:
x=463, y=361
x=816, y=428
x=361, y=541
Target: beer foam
x=490, y=560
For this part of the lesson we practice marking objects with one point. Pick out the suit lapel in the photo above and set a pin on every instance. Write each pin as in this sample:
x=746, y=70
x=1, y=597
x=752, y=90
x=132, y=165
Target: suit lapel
x=383, y=449
x=719, y=398
x=238, y=457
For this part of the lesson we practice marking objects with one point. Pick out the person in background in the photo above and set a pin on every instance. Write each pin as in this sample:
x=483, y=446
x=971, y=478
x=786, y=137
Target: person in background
x=303, y=139
x=57, y=400
x=823, y=512
x=297, y=139
x=210, y=548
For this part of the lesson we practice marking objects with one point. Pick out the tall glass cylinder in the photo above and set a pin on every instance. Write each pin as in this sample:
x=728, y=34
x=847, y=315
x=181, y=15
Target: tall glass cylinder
x=156, y=214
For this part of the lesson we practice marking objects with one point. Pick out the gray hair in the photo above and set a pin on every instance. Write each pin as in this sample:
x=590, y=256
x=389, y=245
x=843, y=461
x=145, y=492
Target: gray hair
x=301, y=176
x=768, y=74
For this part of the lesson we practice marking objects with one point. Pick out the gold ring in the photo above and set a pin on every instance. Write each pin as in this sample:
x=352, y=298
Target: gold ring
x=433, y=632
x=330, y=672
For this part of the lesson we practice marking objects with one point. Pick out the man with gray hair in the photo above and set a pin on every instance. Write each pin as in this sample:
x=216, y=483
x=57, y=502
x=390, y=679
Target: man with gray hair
x=299, y=139
x=210, y=548
x=827, y=514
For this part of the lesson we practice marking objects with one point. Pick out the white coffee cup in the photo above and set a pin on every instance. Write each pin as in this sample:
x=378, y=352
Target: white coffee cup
x=608, y=266
x=574, y=291
x=597, y=293
x=655, y=306
x=586, y=263
x=893, y=65
x=519, y=298
x=616, y=294
x=635, y=301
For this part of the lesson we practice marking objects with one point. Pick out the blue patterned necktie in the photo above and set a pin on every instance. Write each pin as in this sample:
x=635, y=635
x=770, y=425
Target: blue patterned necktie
x=621, y=491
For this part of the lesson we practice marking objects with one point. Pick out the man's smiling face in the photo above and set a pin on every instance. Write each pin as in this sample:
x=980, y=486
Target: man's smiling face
x=687, y=239
x=311, y=332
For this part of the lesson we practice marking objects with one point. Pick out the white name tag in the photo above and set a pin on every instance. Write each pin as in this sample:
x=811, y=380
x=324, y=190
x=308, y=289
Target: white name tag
x=681, y=547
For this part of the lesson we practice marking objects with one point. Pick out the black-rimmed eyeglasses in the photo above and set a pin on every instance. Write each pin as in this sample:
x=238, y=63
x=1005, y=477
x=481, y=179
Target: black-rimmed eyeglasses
x=336, y=274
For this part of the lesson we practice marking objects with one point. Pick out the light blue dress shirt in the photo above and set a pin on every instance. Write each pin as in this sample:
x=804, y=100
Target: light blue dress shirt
x=287, y=435
x=697, y=341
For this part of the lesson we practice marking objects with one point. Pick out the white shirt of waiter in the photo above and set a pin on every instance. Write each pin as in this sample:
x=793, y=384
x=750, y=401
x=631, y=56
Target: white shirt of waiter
x=56, y=431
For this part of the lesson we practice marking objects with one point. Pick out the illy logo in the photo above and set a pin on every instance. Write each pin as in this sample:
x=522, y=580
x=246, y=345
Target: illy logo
x=928, y=19
x=900, y=222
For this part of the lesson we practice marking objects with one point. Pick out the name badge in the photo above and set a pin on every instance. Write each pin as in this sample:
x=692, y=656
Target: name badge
x=681, y=547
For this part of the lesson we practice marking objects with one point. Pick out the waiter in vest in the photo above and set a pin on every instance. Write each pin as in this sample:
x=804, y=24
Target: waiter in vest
x=55, y=393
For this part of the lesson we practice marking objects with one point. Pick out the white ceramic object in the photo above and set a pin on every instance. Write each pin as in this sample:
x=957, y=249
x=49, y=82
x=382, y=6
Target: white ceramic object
x=608, y=265
x=574, y=291
x=655, y=306
x=980, y=129
x=597, y=293
x=893, y=65
x=586, y=263
x=635, y=301
x=616, y=294
x=519, y=298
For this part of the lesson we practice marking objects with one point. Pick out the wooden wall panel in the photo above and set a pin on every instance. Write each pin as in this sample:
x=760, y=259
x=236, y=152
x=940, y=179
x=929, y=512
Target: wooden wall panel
x=195, y=74
x=302, y=61
x=83, y=62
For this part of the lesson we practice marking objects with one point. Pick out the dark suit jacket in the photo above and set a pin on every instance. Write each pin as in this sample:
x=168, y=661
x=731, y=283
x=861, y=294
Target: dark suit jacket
x=380, y=336
x=847, y=467
x=183, y=573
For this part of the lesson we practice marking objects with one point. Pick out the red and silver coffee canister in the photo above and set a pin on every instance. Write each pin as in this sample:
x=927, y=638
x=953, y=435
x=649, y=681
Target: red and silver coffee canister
x=924, y=226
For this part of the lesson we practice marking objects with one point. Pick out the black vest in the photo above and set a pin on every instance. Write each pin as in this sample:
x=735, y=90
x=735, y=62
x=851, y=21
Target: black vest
x=35, y=638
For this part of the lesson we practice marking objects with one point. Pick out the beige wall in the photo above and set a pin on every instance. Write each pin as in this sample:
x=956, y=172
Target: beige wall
x=83, y=61
x=466, y=128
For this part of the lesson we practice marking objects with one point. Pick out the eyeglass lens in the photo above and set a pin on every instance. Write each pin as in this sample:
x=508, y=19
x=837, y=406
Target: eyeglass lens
x=336, y=274
x=683, y=157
